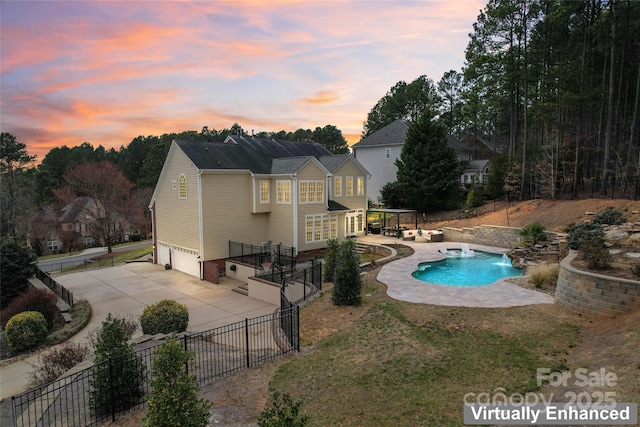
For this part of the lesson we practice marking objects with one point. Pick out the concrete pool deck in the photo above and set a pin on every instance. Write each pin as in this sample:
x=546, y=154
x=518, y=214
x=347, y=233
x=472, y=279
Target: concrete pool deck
x=402, y=286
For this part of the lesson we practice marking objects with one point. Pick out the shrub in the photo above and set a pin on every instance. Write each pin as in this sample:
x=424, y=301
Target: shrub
x=595, y=254
x=347, y=284
x=26, y=330
x=328, y=269
x=610, y=216
x=284, y=412
x=544, y=275
x=164, y=317
x=52, y=364
x=135, y=237
x=578, y=233
x=17, y=264
x=40, y=300
x=117, y=383
x=128, y=322
x=174, y=400
x=533, y=234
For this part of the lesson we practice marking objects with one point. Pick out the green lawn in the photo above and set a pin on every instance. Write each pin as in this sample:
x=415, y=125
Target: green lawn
x=405, y=364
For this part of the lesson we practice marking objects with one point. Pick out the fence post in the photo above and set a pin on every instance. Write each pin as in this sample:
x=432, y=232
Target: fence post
x=112, y=398
x=186, y=364
x=297, y=308
x=246, y=338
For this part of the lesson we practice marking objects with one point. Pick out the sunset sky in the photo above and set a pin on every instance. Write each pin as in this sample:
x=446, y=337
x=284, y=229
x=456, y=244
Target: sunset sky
x=106, y=72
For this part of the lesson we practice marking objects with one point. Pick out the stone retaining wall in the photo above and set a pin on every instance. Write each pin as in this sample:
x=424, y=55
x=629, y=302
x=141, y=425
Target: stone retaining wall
x=595, y=294
x=489, y=235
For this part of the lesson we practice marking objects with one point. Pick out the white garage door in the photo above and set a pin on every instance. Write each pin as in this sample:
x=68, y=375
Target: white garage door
x=186, y=260
x=163, y=253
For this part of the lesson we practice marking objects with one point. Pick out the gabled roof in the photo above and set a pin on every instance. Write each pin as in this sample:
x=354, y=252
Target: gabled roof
x=288, y=165
x=70, y=212
x=458, y=145
x=392, y=134
x=474, y=165
x=247, y=153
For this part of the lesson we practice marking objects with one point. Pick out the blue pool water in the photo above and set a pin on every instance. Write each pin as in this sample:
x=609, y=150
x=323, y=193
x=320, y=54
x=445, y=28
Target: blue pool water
x=482, y=269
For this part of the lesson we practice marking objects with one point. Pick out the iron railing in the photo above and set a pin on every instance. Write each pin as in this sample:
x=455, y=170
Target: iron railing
x=217, y=352
x=263, y=255
x=62, y=292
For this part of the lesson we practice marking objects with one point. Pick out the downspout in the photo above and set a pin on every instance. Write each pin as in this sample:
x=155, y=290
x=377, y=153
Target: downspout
x=253, y=192
x=294, y=196
x=152, y=208
x=200, y=224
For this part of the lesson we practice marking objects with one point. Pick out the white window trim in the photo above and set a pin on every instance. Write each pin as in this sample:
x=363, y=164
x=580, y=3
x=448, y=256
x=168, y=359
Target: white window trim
x=360, y=189
x=349, y=188
x=267, y=200
x=337, y=191
x=317, y=223
x=281, y=195
x=318, y=195
x=387, y=153
x=186, y=194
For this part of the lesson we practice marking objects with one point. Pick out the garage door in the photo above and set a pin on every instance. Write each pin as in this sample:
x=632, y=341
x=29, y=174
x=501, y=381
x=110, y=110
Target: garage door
x=186, y=260
x=163, y=253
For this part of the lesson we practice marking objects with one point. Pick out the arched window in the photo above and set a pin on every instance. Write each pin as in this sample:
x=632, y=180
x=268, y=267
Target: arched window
x=182, y=186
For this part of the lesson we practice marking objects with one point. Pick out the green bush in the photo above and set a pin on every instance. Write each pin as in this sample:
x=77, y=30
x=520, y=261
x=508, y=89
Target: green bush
x=26, y=330
x=533, y=234
x=174, y=400
x=579, y=233
x=135, y=237
x=347, y=284
x=328, y=269
x=40, y=300
x=17, y=264
x=52, y=364
x=595, y=254
x=117, y=383
x=284, y=412
x=164, y=317
x=610, y=216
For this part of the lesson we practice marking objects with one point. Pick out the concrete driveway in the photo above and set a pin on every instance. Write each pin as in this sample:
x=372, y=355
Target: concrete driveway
x=129, y=289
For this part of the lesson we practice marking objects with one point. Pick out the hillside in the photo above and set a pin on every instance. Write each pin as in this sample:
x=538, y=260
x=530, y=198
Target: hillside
x=553, y=215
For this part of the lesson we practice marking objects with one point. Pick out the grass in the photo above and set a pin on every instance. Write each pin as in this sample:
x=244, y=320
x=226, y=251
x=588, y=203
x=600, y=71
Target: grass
x=114, y=258
x=544, y=275
x=406, y=364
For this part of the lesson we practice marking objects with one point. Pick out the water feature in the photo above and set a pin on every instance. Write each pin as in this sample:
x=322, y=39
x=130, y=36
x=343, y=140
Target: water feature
x=461, y=269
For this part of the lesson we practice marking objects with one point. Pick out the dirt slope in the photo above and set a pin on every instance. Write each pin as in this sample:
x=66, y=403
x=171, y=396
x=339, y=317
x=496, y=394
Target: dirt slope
x=553, y=215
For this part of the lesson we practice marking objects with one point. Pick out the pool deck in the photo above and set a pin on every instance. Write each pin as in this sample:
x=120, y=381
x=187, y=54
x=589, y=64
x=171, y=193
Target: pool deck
x=401, y=285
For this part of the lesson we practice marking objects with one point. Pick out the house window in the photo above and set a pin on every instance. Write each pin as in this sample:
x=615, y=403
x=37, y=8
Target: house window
x=320, y=228
x=387, y=153
x=360, y=185
x=338, y=186
x=349, y=191
x=311, y=191
x=52, y=245
x=283, y=189
x=182, y=186
x=264, y=191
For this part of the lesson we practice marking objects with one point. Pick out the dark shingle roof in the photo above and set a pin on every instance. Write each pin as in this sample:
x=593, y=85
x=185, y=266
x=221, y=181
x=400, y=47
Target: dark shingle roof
x=288, y=165
x=392, y=134
x=249, y=153
x=70, y=212
x=333, y=161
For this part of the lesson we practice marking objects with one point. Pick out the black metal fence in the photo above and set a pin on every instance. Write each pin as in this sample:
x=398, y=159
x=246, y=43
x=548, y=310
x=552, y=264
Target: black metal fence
x=88, y=264
x=62, y=292
x=263, y=255
x=218, y=352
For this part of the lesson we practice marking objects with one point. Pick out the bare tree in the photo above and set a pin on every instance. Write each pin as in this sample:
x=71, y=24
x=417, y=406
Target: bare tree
x=111, y=193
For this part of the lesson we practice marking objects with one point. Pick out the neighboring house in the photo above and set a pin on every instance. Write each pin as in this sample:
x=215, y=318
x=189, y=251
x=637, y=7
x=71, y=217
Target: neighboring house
x=252, y=190
x=475, y=172
x=378, y=153
x=74, y=218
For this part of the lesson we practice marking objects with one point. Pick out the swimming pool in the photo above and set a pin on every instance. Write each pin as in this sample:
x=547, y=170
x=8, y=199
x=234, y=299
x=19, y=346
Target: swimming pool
x=458, y=269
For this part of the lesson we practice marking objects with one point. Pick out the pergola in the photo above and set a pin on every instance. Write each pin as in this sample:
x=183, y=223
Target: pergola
x=387, y=216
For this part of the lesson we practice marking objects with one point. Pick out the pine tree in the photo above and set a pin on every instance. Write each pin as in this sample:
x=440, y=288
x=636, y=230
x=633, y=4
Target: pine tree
x=428, y=169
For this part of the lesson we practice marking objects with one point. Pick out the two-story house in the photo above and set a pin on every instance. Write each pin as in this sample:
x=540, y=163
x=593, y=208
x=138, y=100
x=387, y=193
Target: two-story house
x=379, y=151
x=252, y=190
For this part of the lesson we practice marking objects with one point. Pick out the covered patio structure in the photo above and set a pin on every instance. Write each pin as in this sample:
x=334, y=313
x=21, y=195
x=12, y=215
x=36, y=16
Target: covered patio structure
x=391, y=222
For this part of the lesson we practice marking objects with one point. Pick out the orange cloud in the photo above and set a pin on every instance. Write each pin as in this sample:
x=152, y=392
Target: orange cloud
x=321, y=98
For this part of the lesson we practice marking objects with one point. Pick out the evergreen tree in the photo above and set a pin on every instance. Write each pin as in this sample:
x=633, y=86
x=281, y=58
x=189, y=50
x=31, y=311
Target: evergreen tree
x=428, y=169
x=118, y=381
x=174, y=400
x=347, y=284
x=18, y=264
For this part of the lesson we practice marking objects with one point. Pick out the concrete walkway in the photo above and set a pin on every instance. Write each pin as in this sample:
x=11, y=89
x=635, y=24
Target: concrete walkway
x=401, y=285
x=129, y=289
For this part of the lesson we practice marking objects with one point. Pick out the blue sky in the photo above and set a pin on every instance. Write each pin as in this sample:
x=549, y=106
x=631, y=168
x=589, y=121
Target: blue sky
x=106, y=72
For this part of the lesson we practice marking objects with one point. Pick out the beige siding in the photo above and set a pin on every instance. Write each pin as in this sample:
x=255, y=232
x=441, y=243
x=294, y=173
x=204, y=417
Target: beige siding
x=281, y=217
x=349, y=168
x=310, y=171
x=177, y=219
x=227, y=213
x=262, y=207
